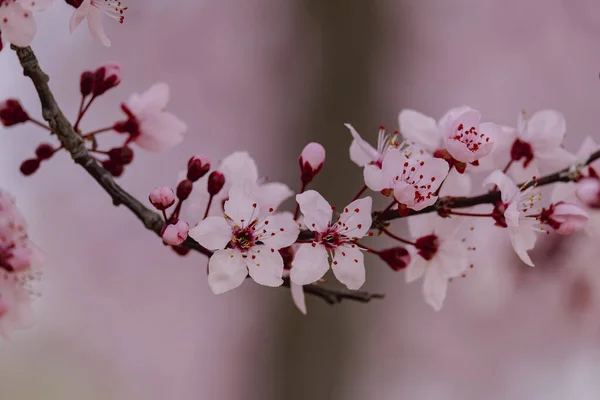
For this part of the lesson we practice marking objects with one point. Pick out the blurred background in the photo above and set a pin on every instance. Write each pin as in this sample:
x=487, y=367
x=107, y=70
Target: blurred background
x=122, y=317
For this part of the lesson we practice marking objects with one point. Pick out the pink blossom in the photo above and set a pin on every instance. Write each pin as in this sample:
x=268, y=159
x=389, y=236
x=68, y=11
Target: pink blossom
x=17, y=25
x=162, y=197
x=92, y=10
x=336, y=241
x=414, y=180
x=198, y=166
x=465, y=139
x=105, y=78
x=311, y=161
x=175, y=234
x=148, y=124
x=565, y=218
x=245, y=244
x=588, y=191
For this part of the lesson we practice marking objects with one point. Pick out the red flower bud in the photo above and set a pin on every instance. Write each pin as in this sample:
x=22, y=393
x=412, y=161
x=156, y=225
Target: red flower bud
x=121, y=155
x=396, y=257
x=198, y=166
x=311, y=161
x=105, y=78
x=44, y=151
x=12, y=113
x=28, y=167
x=184, y=189
x=86, y=83
x=114, y=168
x=216, y=181
x=162, y=197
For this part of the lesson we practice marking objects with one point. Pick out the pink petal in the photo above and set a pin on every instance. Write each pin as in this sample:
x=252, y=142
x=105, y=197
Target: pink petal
x=94, y=20
x=309, y=265
x=213, y=233
x=545, y=130
x=435, y=287
x=226, y=270
x=278, y=230
x=17, y=24
x=420, y=128
x=361, y=152
x=316, y=210
x=265, y=266
x=508, y=188
x=298, y=297
x=349, y=266
x=241, y=208
x=356, y=218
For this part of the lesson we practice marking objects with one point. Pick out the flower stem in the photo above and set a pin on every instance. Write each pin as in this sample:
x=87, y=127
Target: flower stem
x=298, y=204
x=82, y=113
x=40, y=124
x=360, y=192
x=210, y=199
x=97, y=131
x=398, y=238
x=505, y=170
x=466, y=214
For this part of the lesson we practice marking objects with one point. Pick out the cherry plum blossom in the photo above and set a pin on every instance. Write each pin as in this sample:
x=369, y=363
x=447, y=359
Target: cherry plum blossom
x=17, y=25
x=92, y=11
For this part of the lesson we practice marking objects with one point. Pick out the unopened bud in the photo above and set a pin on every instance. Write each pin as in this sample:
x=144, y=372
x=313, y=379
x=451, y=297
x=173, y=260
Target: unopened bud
x=162, y=197
x=175, y=234
x=311, y=161
x=182, y=251
x=565, y=218
x=114, y=168
x=44, y=151
x=121, y=155
x=184, y=189
x=12, y=113
x=74, y=3
x=397, y=258
x=216, y=181
x=198, y=166
x=588, y=191
x=105, y=78
x=86, y=83
x=28, y=167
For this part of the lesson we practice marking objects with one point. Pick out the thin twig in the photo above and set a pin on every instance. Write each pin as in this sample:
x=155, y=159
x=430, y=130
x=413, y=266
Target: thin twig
x=153, y=221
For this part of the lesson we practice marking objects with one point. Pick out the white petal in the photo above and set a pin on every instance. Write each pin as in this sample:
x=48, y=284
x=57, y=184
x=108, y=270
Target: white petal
x=349, y=266
x=298, y=297
x=562, y=191
x=80, y=14
x=361, y=152
x=508, y=188
x=374, y=178
x=36, y=5
x=309, y=265
x=265, y=266
x=152, y=101
x=271, y=195
x=420, y=128
x=435, y=287
x=356, y=218
x=226, y=271
x=213, y=233
x=239, y=166
x=456, y=184
x=588, y=146
x=416, y=268
x=392, y=165
x=17, y=25
x=545, y=130
x=278, y=230
x=160, y=132
x=452, y=258
x=316, y=210
x=523, y=239
x=94, y=20
x=240, y=207
x=557, y=158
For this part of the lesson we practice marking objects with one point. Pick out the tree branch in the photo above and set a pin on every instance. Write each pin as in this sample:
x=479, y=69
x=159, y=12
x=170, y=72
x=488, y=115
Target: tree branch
x=153, y=221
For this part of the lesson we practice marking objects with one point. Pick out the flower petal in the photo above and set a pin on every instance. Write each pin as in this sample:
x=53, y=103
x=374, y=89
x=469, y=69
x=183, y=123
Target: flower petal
x=160, y=132
x=545, y=130
x=17, y=25
x=271, y=195
x=94, y=20
x=361, y=152
x=316, y=210
x=435, y=287
x=36, y=5
x=349, y=266
x=416, y=268
x=374, y=178
x=355, y=221
x=240, y=207
x=226, y=270
x=453, y=258
x=456, y=184
x=213, y=233
x=523, y=239
x=420, y=128
x=309, y=265
x=298, y=297
x=278, y=230
x=508, y=189
x=265, y=266
x=237, y=167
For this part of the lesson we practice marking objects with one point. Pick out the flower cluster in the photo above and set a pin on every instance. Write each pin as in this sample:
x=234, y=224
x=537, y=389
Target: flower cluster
x=18, y=268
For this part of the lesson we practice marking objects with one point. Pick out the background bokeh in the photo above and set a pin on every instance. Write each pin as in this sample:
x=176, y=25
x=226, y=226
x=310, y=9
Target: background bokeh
x=121, y=317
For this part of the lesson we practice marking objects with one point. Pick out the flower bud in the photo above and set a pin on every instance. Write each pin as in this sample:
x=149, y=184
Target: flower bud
x=12, y=113
x=198, y=166
x=162, y=197
x=44, y=151
x=74, y=3
x=397, y=258
x=588, y=191
x=216, y=181
x=175, y=234
x=184, y=189
x=311, y=161
x=86, y=83
x=121, y=155
x=565, y=218
x=28, y=167
x=114, y=168
x=105, y=78
x=182, y=251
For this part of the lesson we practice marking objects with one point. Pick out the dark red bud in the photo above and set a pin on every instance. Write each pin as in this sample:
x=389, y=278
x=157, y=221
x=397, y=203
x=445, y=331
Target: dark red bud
x=216, y=181
x=396, y=257
x=184, y=189
x=121, y=155
x=44, y=151
x=86, y=83
x=197, y=168
x=74, y=3
x=182, y=251
x=521, y=150
x=12, y=113
x=28, y=167
x=106, y=78
x=114, y=168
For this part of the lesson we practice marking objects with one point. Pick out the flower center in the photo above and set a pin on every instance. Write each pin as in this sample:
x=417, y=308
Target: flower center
x=521, y=150
x=243, y=238
x=498, y=214
x=470, y=137
x=112, y=8
x=427, y=246
x=412, y=176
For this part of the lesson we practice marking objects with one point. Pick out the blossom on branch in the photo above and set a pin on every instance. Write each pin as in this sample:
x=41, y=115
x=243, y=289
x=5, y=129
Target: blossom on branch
x=17, y=25
x=336, y=241
x=245, y=244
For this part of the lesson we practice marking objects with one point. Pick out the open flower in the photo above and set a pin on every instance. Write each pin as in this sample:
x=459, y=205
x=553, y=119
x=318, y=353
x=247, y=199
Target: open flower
x=17, y=25
x=465, y=138
x=148, y=124
x=335, y=241
x=245, y=243
x=413, y=180
x=92, y=10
